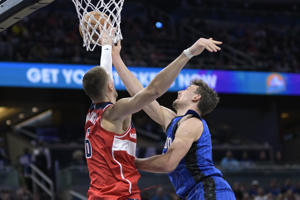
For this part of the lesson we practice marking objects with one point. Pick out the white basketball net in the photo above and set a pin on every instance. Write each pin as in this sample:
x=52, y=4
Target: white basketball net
x=95, y=33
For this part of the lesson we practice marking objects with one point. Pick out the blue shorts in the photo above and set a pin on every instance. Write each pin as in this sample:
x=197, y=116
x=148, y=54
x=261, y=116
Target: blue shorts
x=212, y=188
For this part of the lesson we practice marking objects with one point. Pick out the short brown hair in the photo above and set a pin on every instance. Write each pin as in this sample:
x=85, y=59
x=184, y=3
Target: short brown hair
x=209, y=98
x=94, y=83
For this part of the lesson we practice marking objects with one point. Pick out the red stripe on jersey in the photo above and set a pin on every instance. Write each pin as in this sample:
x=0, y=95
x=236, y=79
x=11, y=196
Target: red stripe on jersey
x=110, y=159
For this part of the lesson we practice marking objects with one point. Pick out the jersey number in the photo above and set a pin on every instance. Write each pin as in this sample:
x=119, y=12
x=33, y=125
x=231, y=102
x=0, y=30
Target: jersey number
x=88, y=148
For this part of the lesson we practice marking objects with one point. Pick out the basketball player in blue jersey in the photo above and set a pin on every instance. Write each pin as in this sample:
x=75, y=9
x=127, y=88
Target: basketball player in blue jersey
x=187, y=155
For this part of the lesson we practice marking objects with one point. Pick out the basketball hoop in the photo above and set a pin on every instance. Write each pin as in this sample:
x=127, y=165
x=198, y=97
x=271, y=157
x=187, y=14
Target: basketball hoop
x=98, y=20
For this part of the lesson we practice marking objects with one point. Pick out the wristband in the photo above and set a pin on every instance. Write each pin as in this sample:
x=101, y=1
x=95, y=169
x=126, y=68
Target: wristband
x=187, y=53
x=107, y=47
x=106, y=59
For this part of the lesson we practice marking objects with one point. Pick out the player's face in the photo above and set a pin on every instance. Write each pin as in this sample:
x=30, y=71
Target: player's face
x=185, y=97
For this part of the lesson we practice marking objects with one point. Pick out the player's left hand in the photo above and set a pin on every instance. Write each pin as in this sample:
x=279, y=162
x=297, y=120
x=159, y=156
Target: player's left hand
x=202, y=44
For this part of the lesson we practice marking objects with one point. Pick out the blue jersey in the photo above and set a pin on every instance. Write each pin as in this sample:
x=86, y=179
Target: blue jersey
x=197, y=166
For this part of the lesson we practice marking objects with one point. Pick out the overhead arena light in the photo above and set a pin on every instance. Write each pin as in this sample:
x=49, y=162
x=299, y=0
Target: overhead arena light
x=159, y=25
x=6, y=112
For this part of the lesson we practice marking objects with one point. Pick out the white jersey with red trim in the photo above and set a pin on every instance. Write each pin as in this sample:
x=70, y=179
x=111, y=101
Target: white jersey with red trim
x=110, y=159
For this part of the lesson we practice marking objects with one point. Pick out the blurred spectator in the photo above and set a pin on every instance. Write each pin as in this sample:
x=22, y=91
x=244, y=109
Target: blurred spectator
x=25, y=161
x=6, y=195
x=269, y=196
x=246, y=196
x=229, y=162
x=280, y=197
x=246, y=162
x=260, y=194
x=262, y=159
x=278, y=158
x=23, y=194
x=287, y=186
x=273, y=187
x=254, y=188
x=290, y=195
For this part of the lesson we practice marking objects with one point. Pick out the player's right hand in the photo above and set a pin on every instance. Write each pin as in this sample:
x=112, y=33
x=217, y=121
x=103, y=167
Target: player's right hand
x=203, y=43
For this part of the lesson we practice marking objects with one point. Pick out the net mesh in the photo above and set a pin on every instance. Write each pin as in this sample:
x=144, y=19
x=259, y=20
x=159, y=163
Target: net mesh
x=99, y=20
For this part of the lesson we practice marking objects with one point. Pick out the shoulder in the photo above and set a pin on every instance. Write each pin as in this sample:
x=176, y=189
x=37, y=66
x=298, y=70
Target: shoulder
x=192, y=127
x=112, y=110
x=117, y=125
x=191, y=123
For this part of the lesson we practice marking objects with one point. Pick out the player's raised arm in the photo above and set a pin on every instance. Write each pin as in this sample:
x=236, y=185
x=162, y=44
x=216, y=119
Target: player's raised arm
x=189, y=131
x=106, y=54
x=159, y=114
x=155, y=89
x=161, y=82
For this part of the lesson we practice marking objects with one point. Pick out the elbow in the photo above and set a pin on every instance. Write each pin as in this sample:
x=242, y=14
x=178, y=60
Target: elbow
x=170, y=161
x=169, y=168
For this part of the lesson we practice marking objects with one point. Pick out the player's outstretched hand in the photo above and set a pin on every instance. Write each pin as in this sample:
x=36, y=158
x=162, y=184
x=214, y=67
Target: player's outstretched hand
x=106, y=38
x=116, y=49
x=203, y=43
